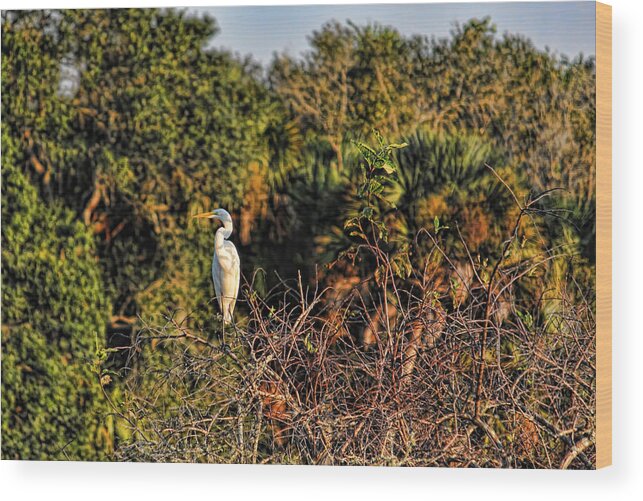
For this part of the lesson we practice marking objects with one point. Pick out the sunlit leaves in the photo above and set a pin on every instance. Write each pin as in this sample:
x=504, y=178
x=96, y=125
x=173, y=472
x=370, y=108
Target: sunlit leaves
x=53, y=303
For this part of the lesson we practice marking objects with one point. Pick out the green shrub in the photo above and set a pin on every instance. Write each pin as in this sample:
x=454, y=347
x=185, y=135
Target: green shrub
x=53, y=311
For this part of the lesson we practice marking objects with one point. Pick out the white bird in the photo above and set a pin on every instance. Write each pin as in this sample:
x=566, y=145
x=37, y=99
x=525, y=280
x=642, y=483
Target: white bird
x=225, y=264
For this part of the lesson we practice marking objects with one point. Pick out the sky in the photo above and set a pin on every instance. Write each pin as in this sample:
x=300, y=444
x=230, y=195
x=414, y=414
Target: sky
x=565, y=27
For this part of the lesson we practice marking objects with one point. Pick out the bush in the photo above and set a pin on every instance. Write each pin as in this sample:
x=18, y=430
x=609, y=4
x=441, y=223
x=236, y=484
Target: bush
x=53, y=315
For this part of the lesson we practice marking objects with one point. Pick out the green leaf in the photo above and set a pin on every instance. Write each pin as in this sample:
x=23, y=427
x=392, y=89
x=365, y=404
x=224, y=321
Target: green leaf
x=388, y=167
x=367, y=213
x=310, y=348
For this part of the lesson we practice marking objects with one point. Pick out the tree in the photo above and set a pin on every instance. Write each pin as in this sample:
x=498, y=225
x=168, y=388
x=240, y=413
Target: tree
x=53, y=321
x=352, y=79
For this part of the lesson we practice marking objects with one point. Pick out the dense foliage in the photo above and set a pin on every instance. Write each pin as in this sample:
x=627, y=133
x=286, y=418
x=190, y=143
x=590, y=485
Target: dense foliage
x=53, y=321
x=474, y=215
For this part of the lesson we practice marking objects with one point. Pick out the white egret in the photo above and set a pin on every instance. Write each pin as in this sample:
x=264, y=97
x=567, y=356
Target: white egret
x=225, y=263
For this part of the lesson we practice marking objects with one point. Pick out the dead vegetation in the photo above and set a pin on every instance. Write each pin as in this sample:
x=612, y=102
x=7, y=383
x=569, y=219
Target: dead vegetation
x=387, y=372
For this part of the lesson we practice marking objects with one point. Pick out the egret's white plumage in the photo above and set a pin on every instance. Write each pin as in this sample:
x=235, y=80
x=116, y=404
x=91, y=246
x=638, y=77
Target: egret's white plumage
x=225, y=264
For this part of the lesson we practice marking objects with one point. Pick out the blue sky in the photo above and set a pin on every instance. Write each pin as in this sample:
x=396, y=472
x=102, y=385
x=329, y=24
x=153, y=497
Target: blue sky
x=565, y=27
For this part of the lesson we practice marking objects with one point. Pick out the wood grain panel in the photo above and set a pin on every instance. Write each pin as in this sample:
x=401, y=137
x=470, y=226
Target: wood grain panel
x=603, y=235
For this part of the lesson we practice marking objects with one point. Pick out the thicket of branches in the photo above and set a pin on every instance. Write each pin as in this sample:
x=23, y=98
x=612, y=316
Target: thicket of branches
x=286, y=390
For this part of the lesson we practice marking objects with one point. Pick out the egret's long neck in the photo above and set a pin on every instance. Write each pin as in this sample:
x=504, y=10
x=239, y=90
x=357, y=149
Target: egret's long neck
x=222, y=233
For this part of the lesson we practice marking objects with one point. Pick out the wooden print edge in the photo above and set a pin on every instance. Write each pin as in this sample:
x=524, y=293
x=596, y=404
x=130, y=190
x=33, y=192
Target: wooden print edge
x=603, y=235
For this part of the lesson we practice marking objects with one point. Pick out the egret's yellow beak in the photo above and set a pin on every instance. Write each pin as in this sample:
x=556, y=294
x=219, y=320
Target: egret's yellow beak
x=203, y=215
